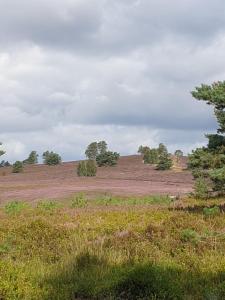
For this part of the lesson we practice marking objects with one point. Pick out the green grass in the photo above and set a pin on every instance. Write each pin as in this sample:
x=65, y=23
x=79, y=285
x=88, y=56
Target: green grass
x=136, y=248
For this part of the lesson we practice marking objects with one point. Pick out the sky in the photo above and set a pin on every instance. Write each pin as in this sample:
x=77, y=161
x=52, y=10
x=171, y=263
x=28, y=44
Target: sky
x=76, y=71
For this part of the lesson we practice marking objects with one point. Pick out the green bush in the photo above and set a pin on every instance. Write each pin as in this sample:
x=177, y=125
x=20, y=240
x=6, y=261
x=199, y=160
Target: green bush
x=201, y=188
x=164, y=162
x=213, y=211
x=47, y=205
x=108, y=158
x=189, y=235
x=14, y=207
x=17, y=167
x=151, y=156
x=91, y=168
x=79, y=201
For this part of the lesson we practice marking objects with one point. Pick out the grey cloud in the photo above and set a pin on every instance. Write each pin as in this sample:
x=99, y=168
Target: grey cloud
x=74, y=71
x=104, y=27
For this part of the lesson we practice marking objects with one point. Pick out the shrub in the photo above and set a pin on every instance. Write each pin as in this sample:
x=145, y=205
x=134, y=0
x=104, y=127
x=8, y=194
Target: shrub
x=47, y=205
x=51, y=158
x=107, y=159
x=79, y=201
x=189, y=235
x=82, y=169
x=91, y=168
x=17, y=167
x=14, y=207
x=201, y=188
x=87, y=168
x=213, y=211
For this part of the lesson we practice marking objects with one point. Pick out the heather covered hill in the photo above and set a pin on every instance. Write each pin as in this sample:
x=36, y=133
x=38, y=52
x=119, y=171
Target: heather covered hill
x=129, y=177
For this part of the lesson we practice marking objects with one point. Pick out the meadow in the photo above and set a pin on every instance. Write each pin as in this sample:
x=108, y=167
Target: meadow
x=112, y=247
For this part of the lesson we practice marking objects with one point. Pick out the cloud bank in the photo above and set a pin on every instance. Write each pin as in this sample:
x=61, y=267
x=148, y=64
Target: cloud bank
x=76, y=71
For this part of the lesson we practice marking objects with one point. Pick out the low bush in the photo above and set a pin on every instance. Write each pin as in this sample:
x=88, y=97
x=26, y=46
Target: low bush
x=190, y=235
x=79, y=201
x=48, y=205
x=15, y=207
x=213, y=211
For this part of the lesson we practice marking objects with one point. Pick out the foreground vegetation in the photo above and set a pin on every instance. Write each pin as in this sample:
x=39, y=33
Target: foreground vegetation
x=113, y=248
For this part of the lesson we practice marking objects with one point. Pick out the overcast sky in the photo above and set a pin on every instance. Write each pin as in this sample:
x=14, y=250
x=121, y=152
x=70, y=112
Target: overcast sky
x=75, y=71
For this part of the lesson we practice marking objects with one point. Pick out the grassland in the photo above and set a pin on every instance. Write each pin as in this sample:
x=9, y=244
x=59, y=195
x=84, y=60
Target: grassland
x=112, y=248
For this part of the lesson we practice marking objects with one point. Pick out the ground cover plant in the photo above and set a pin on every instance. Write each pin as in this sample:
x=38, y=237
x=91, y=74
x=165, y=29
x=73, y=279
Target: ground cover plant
x=104, y=248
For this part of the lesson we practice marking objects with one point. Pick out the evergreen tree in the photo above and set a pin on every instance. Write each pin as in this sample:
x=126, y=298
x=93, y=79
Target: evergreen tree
x=212, y=157
x=164, y=161
x=32, y=158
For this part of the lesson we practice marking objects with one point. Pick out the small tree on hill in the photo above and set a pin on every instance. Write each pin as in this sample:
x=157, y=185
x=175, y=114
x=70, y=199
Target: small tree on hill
x=17, y=167
x=51, y=158
x=92, y=151
x=164, y=161
x=151, y=156
x=32, y=158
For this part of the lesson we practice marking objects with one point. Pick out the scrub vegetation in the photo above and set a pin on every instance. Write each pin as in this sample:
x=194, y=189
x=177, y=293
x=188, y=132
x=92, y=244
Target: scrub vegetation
x=113, y=248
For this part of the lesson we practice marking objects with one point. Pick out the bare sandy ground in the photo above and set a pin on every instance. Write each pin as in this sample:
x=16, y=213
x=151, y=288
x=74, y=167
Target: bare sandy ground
x=129, y=177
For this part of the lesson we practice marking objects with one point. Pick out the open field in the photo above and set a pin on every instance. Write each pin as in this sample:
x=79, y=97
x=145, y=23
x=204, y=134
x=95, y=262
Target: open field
x=112, y=248
x=129, y=177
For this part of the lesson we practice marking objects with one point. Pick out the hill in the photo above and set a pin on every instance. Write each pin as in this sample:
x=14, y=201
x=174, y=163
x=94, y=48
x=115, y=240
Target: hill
x=129, y=177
